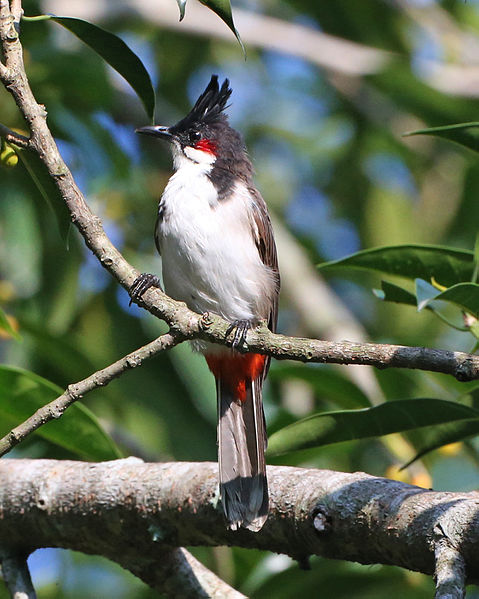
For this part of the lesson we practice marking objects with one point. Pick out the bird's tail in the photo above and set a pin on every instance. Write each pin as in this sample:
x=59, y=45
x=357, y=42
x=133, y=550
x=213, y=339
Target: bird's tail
x=241, y=440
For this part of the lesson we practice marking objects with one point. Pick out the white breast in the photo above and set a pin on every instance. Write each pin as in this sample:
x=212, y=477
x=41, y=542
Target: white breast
x=210, y=260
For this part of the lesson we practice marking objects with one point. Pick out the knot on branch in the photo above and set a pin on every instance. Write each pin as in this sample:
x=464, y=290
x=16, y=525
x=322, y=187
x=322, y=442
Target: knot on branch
x=205, y=321
x=466, y=370
x=321, y=522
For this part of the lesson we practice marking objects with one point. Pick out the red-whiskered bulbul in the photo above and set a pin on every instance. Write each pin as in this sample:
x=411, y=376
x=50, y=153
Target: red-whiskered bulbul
x=218, y=254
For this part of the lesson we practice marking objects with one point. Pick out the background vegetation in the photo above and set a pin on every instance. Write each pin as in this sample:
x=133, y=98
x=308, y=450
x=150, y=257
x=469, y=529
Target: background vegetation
x=338, y=177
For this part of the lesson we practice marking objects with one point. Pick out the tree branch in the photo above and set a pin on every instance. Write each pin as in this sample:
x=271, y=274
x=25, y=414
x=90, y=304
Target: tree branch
x=450, y=570
x=57, y=407
x=17, y=576
x=13, y=137
x=184, y=576
x=130, y=512
x=183, y=321
x=16, y=9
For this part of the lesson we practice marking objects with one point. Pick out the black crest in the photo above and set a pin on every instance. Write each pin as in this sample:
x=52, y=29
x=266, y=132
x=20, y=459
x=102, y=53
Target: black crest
x=209, y=106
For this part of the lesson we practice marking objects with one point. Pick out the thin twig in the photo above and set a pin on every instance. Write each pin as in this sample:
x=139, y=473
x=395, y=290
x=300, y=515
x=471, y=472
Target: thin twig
x=463, y=366
x=13, y=137
x=57, y=407
x=17, y=576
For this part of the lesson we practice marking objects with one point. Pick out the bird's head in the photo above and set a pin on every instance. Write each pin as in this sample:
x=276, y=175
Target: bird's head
x=204, y=134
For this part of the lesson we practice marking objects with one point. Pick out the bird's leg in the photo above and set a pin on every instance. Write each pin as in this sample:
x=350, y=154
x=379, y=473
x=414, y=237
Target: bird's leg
x=141, y=284
x=240, y=328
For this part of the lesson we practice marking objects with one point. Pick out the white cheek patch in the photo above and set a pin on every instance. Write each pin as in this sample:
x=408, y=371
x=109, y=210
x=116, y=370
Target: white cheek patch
x=199, y=156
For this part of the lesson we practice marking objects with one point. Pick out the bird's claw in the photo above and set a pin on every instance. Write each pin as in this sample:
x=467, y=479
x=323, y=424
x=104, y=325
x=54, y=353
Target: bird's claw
x=240, y=328
x=141, y=284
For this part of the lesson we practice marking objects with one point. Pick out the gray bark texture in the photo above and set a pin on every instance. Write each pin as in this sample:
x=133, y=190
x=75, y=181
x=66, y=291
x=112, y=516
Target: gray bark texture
x=137, y=513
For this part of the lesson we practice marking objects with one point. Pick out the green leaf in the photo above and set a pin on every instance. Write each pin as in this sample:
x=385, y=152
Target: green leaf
x=394, y=293
x=425, y=294
x=181, y=6
x=325, y=382
x=444, y=434
x=223, y=9
x=7, y=327
x=390, y=292
x=465, y=134
x=78, y=430
x=463, y=295
x=346, y=425
x=447, y=265
x=117, y=54
x=48, y=190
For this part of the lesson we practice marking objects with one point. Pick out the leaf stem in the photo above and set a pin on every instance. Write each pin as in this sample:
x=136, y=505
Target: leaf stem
x=37, y=18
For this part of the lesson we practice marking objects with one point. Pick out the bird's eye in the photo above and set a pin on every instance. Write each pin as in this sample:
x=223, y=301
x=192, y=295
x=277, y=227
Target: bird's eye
x=195, y=136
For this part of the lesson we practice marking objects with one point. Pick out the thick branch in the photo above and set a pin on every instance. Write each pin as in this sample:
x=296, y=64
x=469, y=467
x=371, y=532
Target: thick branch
x=57, y=407
x=130, y=512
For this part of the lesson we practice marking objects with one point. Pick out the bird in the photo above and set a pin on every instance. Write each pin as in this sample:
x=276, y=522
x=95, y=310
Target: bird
x=215, y=237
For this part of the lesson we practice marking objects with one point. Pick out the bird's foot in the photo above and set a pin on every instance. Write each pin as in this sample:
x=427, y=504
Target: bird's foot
x=141, y=284
x=240, y=328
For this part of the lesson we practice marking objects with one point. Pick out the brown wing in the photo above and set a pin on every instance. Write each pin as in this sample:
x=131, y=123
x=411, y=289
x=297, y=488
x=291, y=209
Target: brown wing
x=265, y=243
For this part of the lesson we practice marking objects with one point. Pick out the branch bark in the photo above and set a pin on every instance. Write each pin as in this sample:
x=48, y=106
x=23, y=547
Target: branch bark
x=17, y=576
x=450, y=572
x=131, y=512
x=14, y=137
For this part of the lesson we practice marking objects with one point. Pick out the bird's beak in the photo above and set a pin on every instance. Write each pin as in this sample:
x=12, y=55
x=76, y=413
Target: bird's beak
x=156, y=131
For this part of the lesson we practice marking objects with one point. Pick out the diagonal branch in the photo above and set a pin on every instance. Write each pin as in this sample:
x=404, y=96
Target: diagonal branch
x=184, y=576
x=57, y=407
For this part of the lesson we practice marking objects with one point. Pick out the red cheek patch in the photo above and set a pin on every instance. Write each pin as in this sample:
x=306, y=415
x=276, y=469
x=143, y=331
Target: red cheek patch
x=206, y=145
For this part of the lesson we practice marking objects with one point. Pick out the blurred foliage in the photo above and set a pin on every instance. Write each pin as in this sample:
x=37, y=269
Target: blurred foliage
x=335, y=169
x=23, y=392
x=465, y=134
x=116, y=53
x=389, y=417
